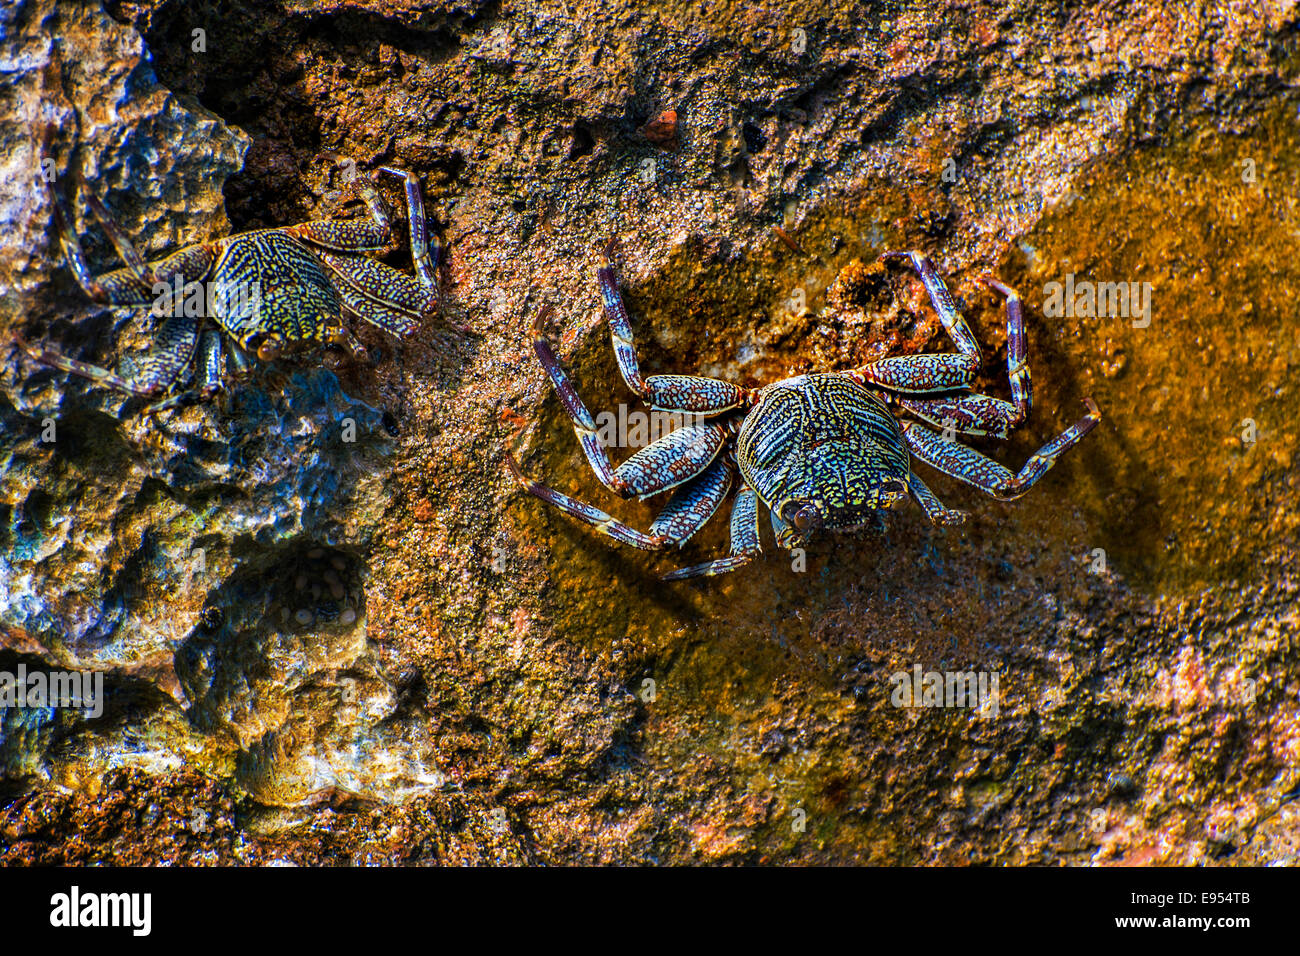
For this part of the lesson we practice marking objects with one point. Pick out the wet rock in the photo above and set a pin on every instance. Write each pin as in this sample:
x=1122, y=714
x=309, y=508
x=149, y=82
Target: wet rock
x=82, y=104
x=497, y=684
x=124, y=532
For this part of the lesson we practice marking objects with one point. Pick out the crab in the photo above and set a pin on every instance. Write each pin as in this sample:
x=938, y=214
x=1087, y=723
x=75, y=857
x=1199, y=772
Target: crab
x=271, y=292
x=819, y=452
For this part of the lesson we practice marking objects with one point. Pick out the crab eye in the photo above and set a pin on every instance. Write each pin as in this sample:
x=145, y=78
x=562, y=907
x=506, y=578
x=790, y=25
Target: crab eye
x=806, y=518
x=268, y=350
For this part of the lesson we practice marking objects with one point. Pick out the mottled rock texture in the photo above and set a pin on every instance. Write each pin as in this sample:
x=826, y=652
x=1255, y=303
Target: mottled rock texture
x=378, y=650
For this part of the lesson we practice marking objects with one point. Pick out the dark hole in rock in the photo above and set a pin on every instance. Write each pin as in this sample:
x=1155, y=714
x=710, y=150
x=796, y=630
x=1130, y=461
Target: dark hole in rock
x=36, y=511
x=581, y=142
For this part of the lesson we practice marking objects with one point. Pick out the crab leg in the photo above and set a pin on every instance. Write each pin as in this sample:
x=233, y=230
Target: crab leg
x=424, y=257
x=953, y=322
x=136, y=285
x=173, y=350
x=745, y=543
x=101, y=376
x=982, y=414
x=238, y=362
x=1022, y=390
x=692, y=505
x=685, y=393
x=209, y=367
x=374, y=291
x=125, y=250
x=350, y=235
x=918, y=373
x=934, y=509
x=374, y=204
x=928, y=373
x=605, y=524
x=378, y=293
x=207, y=374
x=966, y=464
x=342, y=235
x=978, y=415
x=675, y=458
x=150, y=374
x=131, y=285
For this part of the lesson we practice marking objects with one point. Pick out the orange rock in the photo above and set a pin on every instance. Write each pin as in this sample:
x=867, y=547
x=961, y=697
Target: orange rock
x=662, y=130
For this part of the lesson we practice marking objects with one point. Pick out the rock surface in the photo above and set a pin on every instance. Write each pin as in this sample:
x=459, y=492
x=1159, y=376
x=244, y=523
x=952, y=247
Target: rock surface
x=377, y=650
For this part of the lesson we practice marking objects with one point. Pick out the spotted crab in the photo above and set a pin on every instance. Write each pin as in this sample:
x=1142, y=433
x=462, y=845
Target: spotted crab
x=271, y=292
x=819, y=452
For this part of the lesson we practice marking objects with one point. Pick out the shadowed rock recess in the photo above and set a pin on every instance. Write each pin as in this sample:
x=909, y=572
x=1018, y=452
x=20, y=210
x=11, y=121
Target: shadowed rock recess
x=332, y=630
